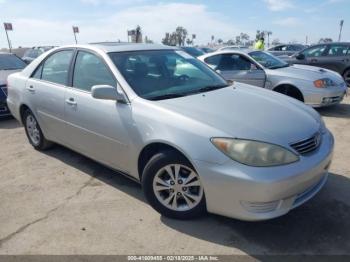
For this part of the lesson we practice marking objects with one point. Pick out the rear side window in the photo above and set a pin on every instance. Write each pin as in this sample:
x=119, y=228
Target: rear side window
x=90, y=70
x=11, y=62
x=213, y=61
x=56, y=67
x=337, y=50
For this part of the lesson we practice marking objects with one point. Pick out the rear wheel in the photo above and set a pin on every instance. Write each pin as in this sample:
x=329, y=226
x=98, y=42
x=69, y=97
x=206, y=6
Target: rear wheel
x=346, y=77
x=34, y=133
x=173, y=187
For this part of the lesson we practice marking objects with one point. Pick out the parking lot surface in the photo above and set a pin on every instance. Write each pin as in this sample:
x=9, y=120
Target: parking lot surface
x=59, y=202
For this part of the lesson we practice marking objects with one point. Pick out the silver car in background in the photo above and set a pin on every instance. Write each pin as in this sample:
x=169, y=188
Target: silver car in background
x=314, y=86
x=168, y=121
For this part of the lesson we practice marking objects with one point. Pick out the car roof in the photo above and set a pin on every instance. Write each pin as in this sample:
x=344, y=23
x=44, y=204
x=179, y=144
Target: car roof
x=238, y=51
x=109, y=47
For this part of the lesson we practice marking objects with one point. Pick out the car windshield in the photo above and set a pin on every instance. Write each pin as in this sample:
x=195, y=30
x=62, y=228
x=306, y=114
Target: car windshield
x=193, y=51
x=11, y=62
x=165, y=74
x=267, y=60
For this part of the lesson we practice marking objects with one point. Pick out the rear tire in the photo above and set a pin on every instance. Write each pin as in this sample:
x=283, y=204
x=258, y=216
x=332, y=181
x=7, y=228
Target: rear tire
x=33, y=131
x=173, y=187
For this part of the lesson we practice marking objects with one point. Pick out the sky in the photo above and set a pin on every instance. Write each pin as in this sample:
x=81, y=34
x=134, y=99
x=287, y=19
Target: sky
x=40, y=22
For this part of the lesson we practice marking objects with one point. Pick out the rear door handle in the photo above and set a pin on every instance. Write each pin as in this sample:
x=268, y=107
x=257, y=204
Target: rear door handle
x=71, y=101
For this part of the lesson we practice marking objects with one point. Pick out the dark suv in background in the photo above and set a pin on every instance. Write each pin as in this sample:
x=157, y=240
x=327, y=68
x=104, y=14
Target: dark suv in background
x=333, y=56
x=288, y=49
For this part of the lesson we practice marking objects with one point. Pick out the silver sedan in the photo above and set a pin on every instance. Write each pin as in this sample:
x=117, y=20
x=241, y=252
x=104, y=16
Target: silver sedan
x=314, y=86
x=165, y=119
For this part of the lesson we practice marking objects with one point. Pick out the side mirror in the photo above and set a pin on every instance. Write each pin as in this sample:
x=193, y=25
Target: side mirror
x=107, y=92
x=300, y=56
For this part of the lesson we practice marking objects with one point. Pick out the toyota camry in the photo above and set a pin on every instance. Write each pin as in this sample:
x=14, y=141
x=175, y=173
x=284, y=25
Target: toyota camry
x=167, y=120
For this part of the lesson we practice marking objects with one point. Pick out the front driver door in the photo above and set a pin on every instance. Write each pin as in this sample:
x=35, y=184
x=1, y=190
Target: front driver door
x=96, y=128
x=313, y=56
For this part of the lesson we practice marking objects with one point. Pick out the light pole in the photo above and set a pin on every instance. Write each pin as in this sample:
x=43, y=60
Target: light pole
x=8, y=27
x=341, y=28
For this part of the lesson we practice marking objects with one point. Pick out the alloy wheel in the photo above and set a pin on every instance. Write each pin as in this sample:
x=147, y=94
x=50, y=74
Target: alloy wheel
x=178, y=187
x=32, y=128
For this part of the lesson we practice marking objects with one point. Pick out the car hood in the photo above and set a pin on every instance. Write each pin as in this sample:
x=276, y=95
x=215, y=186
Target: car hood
x=306, y=72
x=244, y=111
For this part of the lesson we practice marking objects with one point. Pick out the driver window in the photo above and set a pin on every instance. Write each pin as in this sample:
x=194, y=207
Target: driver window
x=315, y=51
x=229, y=62
x=90, y=70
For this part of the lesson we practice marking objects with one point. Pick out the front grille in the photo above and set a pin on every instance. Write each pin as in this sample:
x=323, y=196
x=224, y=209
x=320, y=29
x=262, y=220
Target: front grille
x=307, y=146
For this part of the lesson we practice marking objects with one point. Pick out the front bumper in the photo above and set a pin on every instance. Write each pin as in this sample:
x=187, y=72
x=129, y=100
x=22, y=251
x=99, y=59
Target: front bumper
x=251, y=193
x=325, y=97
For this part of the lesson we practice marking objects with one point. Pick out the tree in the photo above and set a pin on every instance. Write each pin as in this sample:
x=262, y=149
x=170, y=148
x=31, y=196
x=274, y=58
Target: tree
x=181, y=34
x=238, y=40
x=220, y=41
x=325, y=40
x=276, y=41
x=176, y=38
x=244, y=38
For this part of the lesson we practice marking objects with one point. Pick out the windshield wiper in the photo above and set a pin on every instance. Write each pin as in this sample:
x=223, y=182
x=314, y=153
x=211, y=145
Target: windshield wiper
x=281, y=66
x=207, y=88
x=167, y=96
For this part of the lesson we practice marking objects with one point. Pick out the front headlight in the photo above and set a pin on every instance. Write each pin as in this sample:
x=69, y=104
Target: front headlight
x=254, y=153
x=323, y=83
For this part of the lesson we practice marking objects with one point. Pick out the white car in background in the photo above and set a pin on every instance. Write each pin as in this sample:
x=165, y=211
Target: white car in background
x=314, y=86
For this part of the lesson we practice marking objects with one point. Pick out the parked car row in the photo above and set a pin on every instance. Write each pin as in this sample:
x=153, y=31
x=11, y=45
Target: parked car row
x=193, y=140
x=312, y=85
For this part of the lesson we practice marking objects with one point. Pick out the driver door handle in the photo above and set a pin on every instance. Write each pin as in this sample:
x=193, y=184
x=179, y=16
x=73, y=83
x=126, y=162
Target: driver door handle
x=71, y=101
x=31, y=89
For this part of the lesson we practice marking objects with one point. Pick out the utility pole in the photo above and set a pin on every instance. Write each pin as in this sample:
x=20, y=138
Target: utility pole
x=306, y=40
x=341, y=28
x=8, y=27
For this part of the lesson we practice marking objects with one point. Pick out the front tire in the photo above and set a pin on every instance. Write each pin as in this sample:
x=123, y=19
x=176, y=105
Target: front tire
x=173, y=187
x=33, y=131
x=346, y=77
